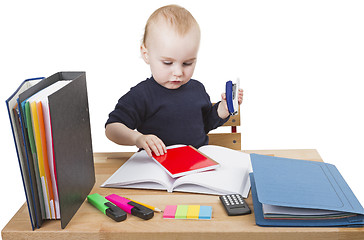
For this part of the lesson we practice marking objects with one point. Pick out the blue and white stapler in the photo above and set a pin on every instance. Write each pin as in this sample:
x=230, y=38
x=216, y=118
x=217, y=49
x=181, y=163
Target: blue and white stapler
x=231, y=91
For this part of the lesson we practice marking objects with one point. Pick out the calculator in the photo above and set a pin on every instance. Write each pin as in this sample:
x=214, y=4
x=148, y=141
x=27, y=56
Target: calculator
x=234, y=204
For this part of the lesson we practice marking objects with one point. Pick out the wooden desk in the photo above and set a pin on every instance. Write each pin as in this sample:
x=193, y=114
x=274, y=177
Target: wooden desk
x=89, y=223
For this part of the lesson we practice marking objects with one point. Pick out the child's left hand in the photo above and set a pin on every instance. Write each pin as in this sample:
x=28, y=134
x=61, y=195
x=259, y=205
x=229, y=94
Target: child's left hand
x=222, y=110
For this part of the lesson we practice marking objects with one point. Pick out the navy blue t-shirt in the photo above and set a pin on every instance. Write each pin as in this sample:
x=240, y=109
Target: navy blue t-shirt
x=177, y=116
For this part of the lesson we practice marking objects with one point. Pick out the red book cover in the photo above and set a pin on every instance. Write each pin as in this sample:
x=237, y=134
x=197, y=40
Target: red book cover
x=184, y=160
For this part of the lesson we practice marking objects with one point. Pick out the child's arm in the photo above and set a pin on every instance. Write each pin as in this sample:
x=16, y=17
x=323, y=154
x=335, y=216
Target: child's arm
x=222, y=109
x=122, y=135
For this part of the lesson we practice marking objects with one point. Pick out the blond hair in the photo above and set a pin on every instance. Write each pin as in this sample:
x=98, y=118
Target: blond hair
x=177, y=17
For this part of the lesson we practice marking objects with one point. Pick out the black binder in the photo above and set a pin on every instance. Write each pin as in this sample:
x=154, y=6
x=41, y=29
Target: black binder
x=72, y=145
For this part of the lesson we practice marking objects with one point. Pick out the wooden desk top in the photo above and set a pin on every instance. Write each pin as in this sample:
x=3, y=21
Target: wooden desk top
x=89, y=223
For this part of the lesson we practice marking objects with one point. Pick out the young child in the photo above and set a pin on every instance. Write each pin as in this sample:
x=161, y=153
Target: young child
x=169, y=107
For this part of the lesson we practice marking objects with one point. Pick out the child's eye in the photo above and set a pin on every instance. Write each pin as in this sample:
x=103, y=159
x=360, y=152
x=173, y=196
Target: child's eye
x=167, y=62
x=187, y=63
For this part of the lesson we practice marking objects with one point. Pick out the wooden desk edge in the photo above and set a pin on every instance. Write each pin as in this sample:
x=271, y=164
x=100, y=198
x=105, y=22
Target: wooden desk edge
x=13, y=231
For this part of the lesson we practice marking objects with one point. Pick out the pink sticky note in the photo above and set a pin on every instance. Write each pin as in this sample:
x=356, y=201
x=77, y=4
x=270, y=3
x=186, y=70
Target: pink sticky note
x=170, y=211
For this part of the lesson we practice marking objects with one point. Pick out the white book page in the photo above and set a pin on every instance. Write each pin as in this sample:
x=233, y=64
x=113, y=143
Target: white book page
x=45, y=92
x=143, y=185
x=231, y=177
x=193, y=188
x=140, y=168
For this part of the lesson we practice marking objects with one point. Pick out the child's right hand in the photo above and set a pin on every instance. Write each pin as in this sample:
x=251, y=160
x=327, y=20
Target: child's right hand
x=151, y=143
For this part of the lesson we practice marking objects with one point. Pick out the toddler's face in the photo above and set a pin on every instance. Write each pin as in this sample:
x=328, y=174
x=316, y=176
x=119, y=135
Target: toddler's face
x=172, y=57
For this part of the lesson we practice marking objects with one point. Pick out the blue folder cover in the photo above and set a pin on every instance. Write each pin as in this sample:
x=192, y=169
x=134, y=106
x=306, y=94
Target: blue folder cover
x=24, y=158
x=301, y=184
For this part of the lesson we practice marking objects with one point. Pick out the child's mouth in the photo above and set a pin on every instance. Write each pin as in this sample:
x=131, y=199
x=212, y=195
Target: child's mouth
x=176, y=82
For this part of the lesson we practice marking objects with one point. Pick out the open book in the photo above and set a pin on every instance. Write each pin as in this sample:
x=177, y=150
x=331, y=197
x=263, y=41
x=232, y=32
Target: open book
x=140, y=171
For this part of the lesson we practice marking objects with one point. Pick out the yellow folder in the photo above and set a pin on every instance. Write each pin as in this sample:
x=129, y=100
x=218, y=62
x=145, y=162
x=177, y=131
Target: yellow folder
x=41, y=162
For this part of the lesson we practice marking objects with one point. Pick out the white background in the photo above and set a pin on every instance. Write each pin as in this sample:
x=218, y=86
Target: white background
x=300, y=65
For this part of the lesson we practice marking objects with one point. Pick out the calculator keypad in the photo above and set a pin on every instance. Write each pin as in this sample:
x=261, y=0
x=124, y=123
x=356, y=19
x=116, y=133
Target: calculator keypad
x=234, y=204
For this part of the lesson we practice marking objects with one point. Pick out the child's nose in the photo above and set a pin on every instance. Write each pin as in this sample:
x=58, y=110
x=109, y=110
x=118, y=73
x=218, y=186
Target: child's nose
x=177, y=71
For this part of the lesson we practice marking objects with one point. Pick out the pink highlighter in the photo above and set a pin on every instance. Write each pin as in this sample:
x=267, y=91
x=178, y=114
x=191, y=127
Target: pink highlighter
x=131, y=207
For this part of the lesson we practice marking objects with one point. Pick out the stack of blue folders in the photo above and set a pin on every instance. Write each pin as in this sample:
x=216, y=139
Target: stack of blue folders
x=299, y=193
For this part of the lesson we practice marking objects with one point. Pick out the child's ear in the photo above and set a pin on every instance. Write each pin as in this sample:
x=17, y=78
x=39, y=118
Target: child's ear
x=144, y=52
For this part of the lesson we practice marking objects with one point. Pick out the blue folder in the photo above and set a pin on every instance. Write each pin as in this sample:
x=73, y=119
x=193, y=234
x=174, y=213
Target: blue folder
x=302, y=184
x=25, y=159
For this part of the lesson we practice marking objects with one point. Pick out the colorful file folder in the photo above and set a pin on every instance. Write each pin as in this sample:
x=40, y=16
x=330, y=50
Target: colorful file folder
x=72, y=146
